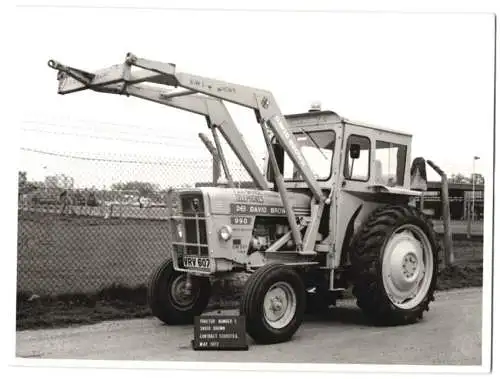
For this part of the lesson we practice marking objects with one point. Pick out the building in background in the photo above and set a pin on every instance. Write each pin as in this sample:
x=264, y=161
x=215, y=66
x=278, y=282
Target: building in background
x=460, y=196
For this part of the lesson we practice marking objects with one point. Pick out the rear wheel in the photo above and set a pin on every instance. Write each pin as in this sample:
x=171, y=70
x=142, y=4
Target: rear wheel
x=170, y=298
x=273, y=304
x=395, y=262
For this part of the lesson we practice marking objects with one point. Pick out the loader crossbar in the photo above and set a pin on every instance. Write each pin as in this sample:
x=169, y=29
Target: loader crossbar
x=204, y=96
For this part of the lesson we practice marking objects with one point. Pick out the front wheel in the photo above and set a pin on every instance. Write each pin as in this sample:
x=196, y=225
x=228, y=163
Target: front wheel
x=395, y=262
x=170, y=298
x=273, y=304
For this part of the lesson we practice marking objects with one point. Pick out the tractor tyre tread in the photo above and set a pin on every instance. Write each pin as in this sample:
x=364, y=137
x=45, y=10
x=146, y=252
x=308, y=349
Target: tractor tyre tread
x=160, y=303
x=252, y=299
x=366, y=254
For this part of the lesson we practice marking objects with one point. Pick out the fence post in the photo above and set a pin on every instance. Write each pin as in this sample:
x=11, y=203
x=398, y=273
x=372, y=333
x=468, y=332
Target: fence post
x=170, y=204
x=449, y=257
x=469, y=219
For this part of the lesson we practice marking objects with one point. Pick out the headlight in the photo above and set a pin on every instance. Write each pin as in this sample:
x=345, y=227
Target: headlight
x=225, y=232
x=180, y=231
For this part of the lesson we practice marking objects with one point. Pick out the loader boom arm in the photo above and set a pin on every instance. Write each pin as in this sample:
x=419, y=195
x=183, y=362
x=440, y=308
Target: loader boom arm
x=121, y=79
x=108, y=81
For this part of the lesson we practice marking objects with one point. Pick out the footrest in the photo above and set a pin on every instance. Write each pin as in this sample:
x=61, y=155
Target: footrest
x=322, y=248
x=311, y=252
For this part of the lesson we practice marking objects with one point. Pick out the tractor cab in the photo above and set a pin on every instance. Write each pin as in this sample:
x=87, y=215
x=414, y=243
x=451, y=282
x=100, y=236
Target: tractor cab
x=355, y=156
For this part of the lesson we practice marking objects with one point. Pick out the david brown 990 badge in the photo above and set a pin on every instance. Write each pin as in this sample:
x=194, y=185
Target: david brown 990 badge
x=241, y=220
x=193, y=261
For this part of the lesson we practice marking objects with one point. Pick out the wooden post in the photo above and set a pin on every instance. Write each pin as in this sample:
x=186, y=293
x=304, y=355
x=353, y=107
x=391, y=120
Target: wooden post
x=469, y=219
x=464, y=213
x=449, y=257
x=170, y=203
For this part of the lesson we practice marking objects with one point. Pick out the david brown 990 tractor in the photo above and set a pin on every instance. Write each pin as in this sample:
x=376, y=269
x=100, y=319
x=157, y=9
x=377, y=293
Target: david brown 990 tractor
x=332, y=209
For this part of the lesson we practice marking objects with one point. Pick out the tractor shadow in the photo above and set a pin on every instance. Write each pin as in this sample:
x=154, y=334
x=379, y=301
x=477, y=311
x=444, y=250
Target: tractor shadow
x=339, y=315
x=347, y=314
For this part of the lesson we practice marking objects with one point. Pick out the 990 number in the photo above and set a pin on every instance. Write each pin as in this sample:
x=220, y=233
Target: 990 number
x=241, y=220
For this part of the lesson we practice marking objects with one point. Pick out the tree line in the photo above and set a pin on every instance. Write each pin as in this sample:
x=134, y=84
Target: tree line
x=148, y=189
x=463, y=179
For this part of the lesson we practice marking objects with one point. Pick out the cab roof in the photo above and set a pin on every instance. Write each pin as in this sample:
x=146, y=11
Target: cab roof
x=328, y=116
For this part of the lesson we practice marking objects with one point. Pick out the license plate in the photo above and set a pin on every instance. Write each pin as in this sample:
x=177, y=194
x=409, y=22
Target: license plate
x=196, y=262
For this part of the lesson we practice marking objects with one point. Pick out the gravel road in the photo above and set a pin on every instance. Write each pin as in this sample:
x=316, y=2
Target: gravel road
x=450, y=334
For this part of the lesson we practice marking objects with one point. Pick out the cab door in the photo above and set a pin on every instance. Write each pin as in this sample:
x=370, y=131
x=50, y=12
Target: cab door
x=355, y=174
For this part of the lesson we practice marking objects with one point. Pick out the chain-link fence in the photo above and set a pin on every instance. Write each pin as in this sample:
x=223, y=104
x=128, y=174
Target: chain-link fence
x=87, y=223
x=91, y=223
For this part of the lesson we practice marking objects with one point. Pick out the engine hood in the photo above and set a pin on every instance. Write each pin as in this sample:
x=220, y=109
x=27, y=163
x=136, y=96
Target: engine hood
x=226, y=200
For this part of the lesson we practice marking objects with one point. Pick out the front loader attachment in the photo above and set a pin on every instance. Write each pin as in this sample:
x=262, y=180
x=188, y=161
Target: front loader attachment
x=204, y=96
x=112, y=79
x=119, y=80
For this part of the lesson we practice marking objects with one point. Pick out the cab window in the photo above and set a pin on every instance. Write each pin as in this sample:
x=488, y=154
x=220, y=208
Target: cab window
x=357, y=158
x=317, y=147
x=390, y=161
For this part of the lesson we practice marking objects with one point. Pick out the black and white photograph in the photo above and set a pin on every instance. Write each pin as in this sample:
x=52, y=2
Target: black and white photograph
x=271, y=187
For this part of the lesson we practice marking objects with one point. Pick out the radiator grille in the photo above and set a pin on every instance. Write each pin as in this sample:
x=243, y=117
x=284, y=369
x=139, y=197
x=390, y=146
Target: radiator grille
x=193, y=225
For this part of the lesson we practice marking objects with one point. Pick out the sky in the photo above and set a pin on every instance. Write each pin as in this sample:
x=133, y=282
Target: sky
x=430, y=75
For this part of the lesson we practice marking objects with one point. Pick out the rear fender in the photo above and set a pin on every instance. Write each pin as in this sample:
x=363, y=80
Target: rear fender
x=348, y=237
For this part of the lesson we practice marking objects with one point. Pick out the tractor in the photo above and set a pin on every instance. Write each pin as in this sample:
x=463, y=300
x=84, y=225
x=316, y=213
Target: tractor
x=332, y=210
